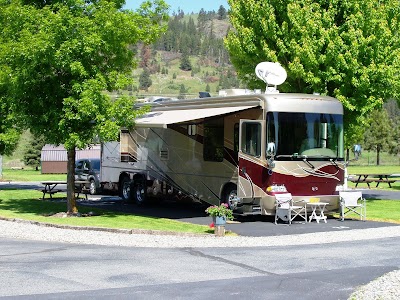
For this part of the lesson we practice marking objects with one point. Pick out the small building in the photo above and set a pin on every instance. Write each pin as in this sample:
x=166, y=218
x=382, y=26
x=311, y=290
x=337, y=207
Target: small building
x=54, y=158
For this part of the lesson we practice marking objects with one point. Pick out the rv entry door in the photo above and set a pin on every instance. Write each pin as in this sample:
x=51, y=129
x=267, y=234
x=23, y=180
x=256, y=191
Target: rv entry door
x=251, y=149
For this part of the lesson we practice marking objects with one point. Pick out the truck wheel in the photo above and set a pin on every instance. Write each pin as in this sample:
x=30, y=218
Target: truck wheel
x=139, y=192
x=230, y=193
x=92, y=187
x=125, y=189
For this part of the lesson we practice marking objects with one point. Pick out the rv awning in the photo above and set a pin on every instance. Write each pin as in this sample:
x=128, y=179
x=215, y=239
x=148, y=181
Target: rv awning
x=163, y=118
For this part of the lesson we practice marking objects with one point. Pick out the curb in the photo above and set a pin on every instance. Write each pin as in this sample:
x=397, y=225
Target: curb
x=103, y=229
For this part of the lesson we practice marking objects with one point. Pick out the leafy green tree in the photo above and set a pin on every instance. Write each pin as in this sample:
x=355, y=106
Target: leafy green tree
x=33, y=152
x=393, y=110
x=345, y=49
x=379, y=133
x=9, y=133
x=61, y=56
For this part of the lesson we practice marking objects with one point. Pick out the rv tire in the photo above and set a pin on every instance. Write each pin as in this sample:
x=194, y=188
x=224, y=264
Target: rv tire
x=138, y=192
x=230, y=192
x=92, y=187
x=125, y=188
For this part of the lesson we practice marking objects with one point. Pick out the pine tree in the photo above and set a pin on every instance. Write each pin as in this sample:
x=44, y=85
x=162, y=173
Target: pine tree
x=221, y=13
x=33, y=152
x=379, y=133
x=185, y=65
x=145, y=80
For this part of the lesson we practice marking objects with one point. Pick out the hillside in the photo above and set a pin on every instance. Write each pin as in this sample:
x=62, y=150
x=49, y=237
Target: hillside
x=200, y=39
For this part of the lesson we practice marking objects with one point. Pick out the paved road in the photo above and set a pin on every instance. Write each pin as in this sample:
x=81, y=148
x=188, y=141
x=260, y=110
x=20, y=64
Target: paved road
x=43, y=270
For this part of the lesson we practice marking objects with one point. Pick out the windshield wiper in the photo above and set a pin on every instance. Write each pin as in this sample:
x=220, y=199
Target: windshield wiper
x=307, y=162
x=333, y=161
x=296, y=155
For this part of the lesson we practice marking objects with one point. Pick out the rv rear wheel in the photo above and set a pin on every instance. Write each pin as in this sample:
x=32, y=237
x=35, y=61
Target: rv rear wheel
x=92, y=187
x=125, y=189
x=139, y=192
x=229, y=195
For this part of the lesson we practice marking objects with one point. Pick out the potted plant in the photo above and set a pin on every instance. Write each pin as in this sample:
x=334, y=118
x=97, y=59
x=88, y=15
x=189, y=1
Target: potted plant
x=220, y=213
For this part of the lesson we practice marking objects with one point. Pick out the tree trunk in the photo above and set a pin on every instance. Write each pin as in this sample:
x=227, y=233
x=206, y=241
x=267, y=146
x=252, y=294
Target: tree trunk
x=71, y=202
x=378, y=149
x=347, y=154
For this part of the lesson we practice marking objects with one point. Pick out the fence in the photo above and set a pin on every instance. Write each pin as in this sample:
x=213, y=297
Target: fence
x=368, y=158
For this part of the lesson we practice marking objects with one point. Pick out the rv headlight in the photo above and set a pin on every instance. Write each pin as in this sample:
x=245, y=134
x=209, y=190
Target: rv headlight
x=276, y=188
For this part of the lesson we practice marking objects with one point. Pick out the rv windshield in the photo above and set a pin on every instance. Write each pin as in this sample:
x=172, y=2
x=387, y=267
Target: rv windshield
x=299, y=135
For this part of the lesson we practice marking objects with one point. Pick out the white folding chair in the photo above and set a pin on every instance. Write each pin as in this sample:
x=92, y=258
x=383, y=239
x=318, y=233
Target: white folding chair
x=352, y=202
x=286, y=210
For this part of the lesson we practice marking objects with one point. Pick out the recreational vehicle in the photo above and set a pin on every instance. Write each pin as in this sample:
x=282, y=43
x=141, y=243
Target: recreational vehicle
x=240, y=148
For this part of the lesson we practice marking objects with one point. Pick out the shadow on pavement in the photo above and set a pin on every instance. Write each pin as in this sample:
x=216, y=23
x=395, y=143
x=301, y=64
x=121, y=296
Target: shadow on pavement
x=159, y=209
x=248, y=226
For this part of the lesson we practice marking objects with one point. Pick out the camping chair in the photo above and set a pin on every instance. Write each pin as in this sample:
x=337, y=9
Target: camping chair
x=286, y=211
x=352, y=202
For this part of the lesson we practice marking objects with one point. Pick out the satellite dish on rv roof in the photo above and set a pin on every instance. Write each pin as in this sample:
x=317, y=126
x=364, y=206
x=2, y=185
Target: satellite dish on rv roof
x=271, y=73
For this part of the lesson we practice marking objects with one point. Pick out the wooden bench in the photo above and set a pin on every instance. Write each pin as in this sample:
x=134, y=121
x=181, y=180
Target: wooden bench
x=81, y=190
x=51, y=192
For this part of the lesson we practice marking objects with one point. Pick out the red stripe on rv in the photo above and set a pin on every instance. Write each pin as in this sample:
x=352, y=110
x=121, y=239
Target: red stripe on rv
x=299, y=186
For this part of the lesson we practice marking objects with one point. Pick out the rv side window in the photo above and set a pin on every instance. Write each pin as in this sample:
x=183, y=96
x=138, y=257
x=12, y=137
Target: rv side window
x=236, y=137
x=128, y=146
x=213, y=148
x=251, y=139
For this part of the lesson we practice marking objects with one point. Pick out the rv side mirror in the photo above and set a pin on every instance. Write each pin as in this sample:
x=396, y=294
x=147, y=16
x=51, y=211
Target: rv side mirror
x=271, y=149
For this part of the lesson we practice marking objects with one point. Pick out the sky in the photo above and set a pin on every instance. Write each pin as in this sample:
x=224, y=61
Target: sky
x=187, y=6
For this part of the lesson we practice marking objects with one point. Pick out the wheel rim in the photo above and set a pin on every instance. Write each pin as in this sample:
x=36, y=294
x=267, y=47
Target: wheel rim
x=126, y=190
x=232, y=195
x=139, y=191
x=92, y=187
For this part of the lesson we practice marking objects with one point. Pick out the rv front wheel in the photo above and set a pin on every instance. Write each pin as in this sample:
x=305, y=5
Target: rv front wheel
x=230, y=196
x=139, y=192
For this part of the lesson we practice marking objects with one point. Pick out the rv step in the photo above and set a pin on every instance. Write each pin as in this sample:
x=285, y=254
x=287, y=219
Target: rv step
x=256, y=211
x=248, y=214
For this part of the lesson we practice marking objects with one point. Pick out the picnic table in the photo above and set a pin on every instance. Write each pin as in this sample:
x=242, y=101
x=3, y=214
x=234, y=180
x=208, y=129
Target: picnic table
x=371, y=178
x=50, y=187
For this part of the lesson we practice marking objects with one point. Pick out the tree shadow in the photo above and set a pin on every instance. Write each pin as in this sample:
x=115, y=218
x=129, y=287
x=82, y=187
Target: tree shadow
x=155, y=208
x=49, y=207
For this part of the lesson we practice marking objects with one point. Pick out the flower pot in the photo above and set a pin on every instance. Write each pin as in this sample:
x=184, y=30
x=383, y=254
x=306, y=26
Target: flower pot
x=219, y=221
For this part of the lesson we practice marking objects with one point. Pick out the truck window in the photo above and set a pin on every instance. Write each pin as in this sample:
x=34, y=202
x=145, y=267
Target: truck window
x=213, y=147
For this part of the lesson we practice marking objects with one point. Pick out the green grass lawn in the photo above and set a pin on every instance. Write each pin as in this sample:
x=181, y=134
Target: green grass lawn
x=383, y=210
x=28, y=205
x=30, y=175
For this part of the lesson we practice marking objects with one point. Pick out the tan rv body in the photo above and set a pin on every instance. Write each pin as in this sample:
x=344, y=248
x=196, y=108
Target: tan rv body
x=167, y=151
